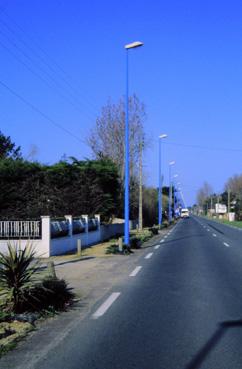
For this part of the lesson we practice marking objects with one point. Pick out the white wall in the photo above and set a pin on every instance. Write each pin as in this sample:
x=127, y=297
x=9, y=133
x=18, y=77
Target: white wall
x=47, y=246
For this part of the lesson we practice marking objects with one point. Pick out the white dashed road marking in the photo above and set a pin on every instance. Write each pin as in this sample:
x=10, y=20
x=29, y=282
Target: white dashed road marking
x=135, y=271
x=161, y=241
x=106, y=305
x=226, y=244
x=156, y=247
x=214, y=235
x=148, y=256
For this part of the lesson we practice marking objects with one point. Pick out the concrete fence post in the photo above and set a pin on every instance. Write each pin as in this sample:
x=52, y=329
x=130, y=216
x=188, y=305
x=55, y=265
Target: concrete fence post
x=45, y=248
x=70, y=232
x=70, y=219
x=85, y=217
x=98, y=218
x=120, y=244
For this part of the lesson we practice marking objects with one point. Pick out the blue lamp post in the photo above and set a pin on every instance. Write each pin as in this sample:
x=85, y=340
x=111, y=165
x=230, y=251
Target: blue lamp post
x=175, y=191
x=176, y=202
x=126, y=183
x=170, y=192
x=160, y=183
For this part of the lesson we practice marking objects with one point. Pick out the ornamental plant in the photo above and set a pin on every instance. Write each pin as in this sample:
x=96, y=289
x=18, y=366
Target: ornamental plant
x=18, y=272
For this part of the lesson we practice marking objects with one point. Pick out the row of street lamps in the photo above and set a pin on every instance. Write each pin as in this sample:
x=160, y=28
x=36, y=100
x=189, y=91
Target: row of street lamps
x=128, y=47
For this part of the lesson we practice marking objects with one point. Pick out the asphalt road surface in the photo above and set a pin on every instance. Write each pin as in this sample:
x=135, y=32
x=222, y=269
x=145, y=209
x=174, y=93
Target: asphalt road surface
x=179, y=308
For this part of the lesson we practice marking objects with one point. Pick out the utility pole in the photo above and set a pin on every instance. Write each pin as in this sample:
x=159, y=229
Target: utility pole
x=141, y=185
x=228, y=200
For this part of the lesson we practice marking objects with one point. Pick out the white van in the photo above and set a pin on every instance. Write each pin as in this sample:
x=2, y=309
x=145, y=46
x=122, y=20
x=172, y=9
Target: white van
x=184, y=213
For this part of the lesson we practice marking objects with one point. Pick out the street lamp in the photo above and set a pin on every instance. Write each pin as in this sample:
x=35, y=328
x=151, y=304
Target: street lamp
x=160, y=183
x=175, y=191
x=126, y=183
x=170, y=191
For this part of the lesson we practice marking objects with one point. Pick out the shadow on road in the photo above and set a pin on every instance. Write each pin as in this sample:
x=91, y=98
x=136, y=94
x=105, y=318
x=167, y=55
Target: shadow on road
x=199, y=358
x=184, y=238
x=74, y=261
x=71, y=261
x=172, y=240
x=215, y=228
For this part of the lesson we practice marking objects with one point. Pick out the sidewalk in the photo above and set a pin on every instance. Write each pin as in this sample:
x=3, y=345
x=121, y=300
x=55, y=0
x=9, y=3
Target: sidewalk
x=93, y=274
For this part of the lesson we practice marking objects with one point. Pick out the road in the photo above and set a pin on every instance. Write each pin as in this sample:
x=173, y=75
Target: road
x=179, y=308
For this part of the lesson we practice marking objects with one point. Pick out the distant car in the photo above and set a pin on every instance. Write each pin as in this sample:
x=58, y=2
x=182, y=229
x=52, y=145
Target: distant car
x=184, y=213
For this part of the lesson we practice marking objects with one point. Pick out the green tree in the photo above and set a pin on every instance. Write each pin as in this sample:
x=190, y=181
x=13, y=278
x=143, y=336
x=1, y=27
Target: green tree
x=29, y=190
x=8, y=149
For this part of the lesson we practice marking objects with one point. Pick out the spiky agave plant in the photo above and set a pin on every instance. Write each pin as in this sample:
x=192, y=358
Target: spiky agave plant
x=18, y=269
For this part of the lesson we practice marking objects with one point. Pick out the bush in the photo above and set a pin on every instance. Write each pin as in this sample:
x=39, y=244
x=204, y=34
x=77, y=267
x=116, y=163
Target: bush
x=20, y=289
x=17, y=271
x=135, y=242
x=114, y=249
x=154, y=230
x=51, y=293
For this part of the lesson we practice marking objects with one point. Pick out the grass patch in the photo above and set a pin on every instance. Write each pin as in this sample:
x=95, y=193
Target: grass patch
x=236, y=223
x=11, y=333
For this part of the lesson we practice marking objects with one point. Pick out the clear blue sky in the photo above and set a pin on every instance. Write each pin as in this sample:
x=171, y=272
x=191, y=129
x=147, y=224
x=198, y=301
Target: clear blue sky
x=189, y=75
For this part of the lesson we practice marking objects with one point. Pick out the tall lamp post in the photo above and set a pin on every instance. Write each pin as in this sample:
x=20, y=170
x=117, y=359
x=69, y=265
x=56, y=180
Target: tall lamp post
x=126, y=183
x=175, y=190
x=160, y=183
x=177, y=198
x=170, y=191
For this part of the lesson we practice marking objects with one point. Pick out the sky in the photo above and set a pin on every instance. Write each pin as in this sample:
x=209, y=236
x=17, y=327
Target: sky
x=61, y=60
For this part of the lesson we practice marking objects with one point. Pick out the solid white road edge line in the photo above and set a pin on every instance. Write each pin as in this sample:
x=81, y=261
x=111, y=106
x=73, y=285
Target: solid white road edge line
x=226, y=244
x=149, y=255
x=106, y=305
x=135, y=271
x=156, y=247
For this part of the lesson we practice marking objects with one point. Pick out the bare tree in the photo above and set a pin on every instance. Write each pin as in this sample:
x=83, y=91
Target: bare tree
x=203, y=193
x=33, y=152
x=107, y=136
x=234, y=184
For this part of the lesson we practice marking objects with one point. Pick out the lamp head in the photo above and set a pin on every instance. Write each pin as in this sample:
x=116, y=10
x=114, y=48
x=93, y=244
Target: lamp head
x=134, y=45
x=163, y=135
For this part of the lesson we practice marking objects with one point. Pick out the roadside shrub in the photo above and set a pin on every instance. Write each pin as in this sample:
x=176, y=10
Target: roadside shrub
x=154, y=230
x=18, y=270
x=112, y=249
x=127, y=250
x=135, y=243
x=145, y=236
x=51, y=293
x=21, y=290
